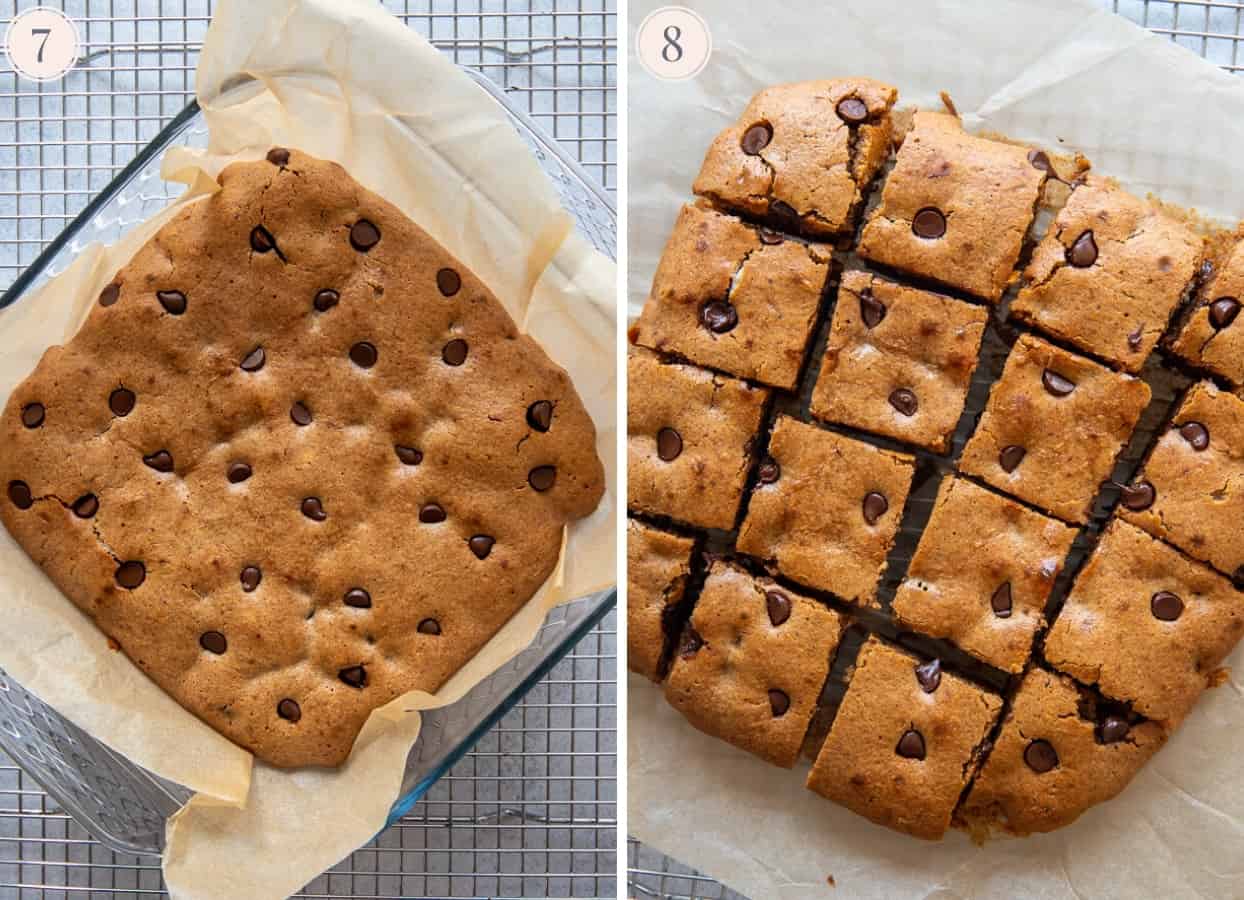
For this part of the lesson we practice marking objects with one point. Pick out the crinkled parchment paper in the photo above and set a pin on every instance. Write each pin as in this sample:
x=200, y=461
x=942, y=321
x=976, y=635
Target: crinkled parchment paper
x=342, y=80
x=1059, y=73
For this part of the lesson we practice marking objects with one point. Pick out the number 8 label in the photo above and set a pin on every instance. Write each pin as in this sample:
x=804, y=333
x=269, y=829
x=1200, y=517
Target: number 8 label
x=42, y=44
x=673, y=43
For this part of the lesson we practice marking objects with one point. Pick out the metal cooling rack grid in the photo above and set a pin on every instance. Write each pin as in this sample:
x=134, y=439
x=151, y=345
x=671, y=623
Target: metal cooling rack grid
x=531, y=812
x=1213, y=29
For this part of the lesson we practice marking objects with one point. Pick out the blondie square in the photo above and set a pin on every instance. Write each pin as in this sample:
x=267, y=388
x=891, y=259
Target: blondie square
x=689, y=440
x=1109, y=273
x=657, y=566
x=826, y=509
x=955, y=209
x=1212, y=336
x=1053, y=426
x=734, y=298
x=1146, y=625
x=899, y=361
x=904, y=742
x=982, y=573
x=802, y=155
x=751, y=664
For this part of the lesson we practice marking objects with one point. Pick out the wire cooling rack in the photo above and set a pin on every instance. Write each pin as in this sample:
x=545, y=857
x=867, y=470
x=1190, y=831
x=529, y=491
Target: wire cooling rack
x=1213, y=29
x=532, y=810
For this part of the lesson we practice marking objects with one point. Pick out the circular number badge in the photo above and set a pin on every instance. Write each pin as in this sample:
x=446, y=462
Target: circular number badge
x=42, y=43
x=673, y=43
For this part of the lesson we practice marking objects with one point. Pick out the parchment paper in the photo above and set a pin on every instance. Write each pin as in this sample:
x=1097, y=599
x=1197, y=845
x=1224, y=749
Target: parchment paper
x=1059, y=73
x=342, y=80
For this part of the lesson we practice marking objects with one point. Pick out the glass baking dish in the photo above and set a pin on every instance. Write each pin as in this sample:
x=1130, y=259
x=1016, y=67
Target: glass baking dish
x=123, y=805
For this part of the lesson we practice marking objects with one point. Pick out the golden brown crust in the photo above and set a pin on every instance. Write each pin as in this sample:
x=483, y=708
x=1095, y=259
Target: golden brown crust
x=1216, y=342
x=657, y=566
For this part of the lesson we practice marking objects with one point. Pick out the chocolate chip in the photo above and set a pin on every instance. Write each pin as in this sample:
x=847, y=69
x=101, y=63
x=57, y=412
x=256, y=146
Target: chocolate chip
x=1237, y=579
x=769, y=236
x=1010, y=456
x=19, y=493
x=174, y=302
x=429, y=626
x=237, y=472
x=756, y=138
x=300, y=414
x=1113, y=729
x=929, y=675
x=161, y=461
x=778, y=605
x=355, y=676
x=540, y=415
x=1001, y=601
x=1040, y=756
x=86, y=506
x=1083, y=252
x=325, y=299
x=1166, y=606
x=481, y=545
x=875, y=506
x=364, y=355
x=33, y=415
x=690, y=643
x=872, y=310
x=779, y=702
x=289, y=710
x=1135, y=337
x=929, y=223
x=213, y=642
x=455, y=352
x=121, y=401
x=278, y=156
x=358, y=598
x=852, y=110
x=1222, y=312
x=251, y=576
x=904, y=401
x=1137, y=497
x=312, y=508
x=669, y=444
x=131, y=574
x=409, y=456
x=262, y=240
x=911, y=745
x=110, y=294
x=364, y=235
x=431, y=513
x=786, y=214
x=1196, y=434
x=254, y=360
x=1056, y=384
x=541, y=478
x=1039, y=161
x=448, y=282
x=719, y=316
x=769, y=471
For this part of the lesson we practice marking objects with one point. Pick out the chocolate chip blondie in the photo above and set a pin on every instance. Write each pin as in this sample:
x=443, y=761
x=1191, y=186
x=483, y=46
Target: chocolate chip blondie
x=1210, y=337
x=657, y=566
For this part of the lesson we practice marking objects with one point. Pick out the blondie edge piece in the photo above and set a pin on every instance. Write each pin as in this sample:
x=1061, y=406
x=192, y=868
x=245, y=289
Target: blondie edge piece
x=1212, y=333
x=657, y=566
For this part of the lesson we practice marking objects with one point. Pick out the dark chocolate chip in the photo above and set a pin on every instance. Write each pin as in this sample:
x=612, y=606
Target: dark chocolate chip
x=929, y=223
x=110, y=294
x=325, y=299
x=1196, y=434
x=237, y=472
x=872, y=310
x=769, y=236
x=251, y=576
x=254, y=360
x=540, y=415
x=262, y=240
x=289, y=710
x=278, y=156
x=779, y=702
x=1137, y=497
x=669, y=444
x=1166, y=606
x=756, y=138
x=364, y=235
x=786, y=214
x=719, y=316
x=911, y=745
x=1135, y=337
x=409, y=456
x=770, y=471
x=1040, y=161
x=1001, y=601
x=1237, y=579
x=904, y=401
x=121, y=401
x=481, y=545
x=929, y=675
x=1083, y=252
x=358, y=598
x=300, y=414
x=161, y=461
x=131, y=574
x=875, y=506
x=86, y=506
x=429, y=626
x=33, y=415
x=364, y=355
x=313, y=509
x=1056, y=384
x=778, y=606
x=431, y=513
x=852, y=110
x=690, y=643
x=541, y=478
x=19, y=493
x=1113, y=729
x=455, y=352
x=1010, y=456
x=448, y=282
x=355, y=676
x=174, y=302
x=1040, y=756
x=1222, y=312
x=213, y=642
